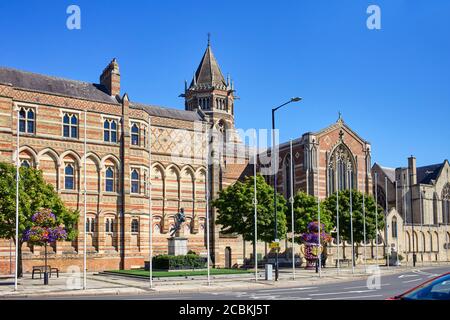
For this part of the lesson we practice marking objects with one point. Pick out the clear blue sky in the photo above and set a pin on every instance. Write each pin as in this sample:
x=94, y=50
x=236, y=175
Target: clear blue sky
x=392, y=85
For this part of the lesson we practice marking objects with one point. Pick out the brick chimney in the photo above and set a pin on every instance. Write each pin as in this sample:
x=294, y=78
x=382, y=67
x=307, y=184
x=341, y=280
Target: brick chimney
x=110, y=78
x=412, y=170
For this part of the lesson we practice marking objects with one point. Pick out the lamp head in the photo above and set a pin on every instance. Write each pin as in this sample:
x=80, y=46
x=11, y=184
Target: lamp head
x=296, y=99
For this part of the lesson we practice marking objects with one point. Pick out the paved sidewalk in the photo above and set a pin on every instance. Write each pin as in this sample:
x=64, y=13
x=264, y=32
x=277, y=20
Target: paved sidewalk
x=97, y=284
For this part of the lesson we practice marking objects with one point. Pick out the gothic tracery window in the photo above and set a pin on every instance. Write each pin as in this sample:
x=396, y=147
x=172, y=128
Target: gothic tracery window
x=341, y=170
x=446, y=203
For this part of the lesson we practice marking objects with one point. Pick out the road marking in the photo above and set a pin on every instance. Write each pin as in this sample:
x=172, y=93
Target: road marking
x=412, y=280
x=408, y=276
x=353, y=297
x=425, y=273
x=287, y=289
x=385, y=284
x=341, y=292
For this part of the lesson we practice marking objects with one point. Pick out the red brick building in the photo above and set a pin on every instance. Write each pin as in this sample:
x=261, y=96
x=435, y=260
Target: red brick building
x=54, y=116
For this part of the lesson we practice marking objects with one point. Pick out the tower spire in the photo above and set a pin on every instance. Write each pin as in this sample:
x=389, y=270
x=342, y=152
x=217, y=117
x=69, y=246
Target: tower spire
x=209, y=39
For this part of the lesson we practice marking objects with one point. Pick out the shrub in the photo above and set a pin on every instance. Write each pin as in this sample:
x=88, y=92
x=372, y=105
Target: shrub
x=189, y=261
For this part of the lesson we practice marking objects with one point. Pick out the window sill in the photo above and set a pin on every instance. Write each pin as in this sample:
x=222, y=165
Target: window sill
x=27, y=134
x=109, y=143
x=69, y=191
x=70, y=139
x=110, y=193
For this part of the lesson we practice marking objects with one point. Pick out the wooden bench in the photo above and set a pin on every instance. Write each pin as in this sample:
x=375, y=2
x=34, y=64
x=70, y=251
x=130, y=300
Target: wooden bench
x=342, y=261
x=41, y=269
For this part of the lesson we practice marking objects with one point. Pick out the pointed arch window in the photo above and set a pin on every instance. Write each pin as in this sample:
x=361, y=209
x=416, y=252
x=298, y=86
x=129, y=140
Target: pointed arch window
x=27, y=120
x=446, y=203
x=110, y=130
x=109, y=225
x=341, y=170
x=109, y=177
x=135, y=134
x=394, y=227
x=69, y=177
x=25, y=164
x=70, y=125
x=435, y=209
x=135, y=181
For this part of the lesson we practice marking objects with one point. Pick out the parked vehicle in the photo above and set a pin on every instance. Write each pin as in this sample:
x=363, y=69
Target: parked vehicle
x=435, y=289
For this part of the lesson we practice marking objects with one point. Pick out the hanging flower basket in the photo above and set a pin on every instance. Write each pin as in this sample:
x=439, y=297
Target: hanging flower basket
x=44, y=232
x=312, y=247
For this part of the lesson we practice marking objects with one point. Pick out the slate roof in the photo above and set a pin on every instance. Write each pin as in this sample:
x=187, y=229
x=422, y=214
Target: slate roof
x=47, y=84
x=389, y=172
x=208, y=73
x=428, y=173
x=167, y=112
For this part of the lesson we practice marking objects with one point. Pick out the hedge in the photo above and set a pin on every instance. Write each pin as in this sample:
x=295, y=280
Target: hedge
x=189, y=261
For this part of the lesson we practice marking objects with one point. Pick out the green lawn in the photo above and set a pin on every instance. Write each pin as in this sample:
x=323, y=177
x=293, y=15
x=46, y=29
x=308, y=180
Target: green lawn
x=181, y=273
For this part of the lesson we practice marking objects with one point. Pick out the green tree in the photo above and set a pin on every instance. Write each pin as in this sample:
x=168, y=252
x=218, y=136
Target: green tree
x=357, y=213
x=34, y=194
x=236, y=210
x=305, y=211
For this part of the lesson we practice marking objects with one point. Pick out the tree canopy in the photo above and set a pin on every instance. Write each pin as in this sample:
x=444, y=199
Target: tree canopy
x=357, y=213
x=236, y=210
x=306, y=211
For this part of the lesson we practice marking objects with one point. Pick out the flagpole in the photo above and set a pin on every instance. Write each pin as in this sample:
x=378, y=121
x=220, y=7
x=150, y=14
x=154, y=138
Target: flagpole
x=207, y=206
x=396, y=226
x=150, y=212
x=421, y=223
x=17, y=199
x=337, y=219
x=376, y=217
x=386, y=225
x=85, y=204
x=364, y=226
x=255, y=200
x=430, y=221
x=404, y=225
x=291, y=199
x=351, y=221
x=318, y=216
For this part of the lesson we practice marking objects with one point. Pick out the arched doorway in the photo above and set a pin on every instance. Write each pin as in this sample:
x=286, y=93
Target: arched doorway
x=228, y=257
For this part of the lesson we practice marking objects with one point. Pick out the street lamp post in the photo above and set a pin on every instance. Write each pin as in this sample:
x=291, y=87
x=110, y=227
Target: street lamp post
x=274, y=157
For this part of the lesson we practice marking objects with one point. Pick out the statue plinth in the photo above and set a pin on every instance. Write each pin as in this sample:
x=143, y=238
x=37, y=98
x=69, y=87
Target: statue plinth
x=177, y=246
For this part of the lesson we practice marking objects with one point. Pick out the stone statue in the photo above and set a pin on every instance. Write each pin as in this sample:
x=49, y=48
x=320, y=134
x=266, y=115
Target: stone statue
x=179, y=219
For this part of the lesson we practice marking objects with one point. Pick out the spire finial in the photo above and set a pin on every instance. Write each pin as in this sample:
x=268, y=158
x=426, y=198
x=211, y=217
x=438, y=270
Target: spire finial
x=209, y=39
x=340, y=116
